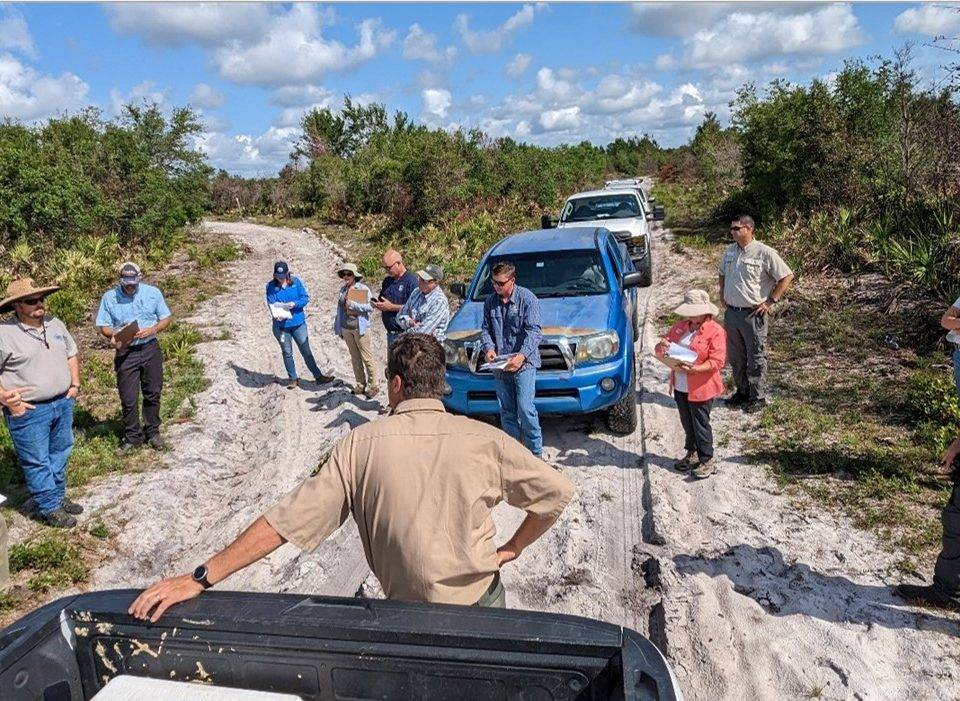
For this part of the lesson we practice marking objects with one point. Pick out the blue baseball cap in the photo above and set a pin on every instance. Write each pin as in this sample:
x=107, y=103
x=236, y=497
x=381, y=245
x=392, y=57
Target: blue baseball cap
x=281, y=270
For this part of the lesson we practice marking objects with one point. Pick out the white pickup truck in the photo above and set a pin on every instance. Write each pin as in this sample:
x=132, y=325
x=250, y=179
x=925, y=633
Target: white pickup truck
x=623, y=209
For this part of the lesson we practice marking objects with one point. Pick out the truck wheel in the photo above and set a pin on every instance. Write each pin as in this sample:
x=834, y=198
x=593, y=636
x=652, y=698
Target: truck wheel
x=622, y=416
x=645, y=268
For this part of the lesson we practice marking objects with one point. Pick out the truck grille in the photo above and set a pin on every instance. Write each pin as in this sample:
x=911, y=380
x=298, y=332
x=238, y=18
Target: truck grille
x=551, y=358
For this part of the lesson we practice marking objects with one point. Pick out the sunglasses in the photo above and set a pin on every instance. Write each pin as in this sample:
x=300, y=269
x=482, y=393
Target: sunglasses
x=501, y=283
x=738, y=228
x=390, y=267
x=33, y=301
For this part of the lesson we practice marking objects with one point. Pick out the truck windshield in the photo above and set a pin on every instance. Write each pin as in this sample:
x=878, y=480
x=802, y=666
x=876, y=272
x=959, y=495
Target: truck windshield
x=618, y=206
x=553, y=274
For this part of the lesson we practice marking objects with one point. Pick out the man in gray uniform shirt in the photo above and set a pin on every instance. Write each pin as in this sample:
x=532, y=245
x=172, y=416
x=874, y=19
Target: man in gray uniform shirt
x=39, y=380
x=753, y=278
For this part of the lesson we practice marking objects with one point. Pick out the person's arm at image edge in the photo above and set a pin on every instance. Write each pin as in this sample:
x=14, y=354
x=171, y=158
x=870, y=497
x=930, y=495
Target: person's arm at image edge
x=951, y=319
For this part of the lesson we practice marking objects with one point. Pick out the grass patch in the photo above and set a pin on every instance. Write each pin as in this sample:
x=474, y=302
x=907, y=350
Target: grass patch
x=50, y=562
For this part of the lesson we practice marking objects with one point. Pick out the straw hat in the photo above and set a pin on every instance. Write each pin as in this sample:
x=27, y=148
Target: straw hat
x=23, y=288
x=695, y=303
x=350, y=268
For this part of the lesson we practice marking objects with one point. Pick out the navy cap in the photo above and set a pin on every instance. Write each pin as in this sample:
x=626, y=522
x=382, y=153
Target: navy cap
x=281, y=269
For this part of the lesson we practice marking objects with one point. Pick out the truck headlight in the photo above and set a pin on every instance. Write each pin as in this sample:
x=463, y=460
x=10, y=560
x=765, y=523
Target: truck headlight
x=599, y=346
x=456, y=354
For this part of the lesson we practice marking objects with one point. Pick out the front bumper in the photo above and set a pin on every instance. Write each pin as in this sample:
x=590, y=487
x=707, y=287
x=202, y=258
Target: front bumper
x=571, y=392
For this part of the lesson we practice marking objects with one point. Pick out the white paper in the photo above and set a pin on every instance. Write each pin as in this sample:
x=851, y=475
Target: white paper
x=2, y=499
x=280, y=312
x=497, y=363
x=684, y=355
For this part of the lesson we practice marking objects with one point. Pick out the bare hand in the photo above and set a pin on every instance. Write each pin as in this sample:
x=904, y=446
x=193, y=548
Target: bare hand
x=490, y=356
x=143, y=333
x=661, y=348
x=13, y=399
x=379, y=306
x=115, y=344
x=951, y=454
x=163, y=595
x=515, y=362
x=507, y=553
x=72, y=392
x=762, y=308
x=688, y=367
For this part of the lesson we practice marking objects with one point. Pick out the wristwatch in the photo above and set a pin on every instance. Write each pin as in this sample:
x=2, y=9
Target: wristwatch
x=200, y=577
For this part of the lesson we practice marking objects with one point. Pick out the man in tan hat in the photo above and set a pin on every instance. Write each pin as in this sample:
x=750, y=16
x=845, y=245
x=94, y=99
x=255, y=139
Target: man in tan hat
x=428, y=309
x=39, y=381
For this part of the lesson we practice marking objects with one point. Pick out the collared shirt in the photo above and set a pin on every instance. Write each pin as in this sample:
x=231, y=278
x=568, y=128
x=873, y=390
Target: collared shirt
x=398, y=291
x=421, y=484
x=513, y=327
x=361, y=314
x=295, y=292
x=431, y=312
x=750, y=274
x=25, y=360
x=146, y=306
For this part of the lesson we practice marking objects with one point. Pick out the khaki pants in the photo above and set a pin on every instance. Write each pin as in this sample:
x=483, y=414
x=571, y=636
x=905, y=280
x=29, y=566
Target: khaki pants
x=495, y=597
x=364, y=369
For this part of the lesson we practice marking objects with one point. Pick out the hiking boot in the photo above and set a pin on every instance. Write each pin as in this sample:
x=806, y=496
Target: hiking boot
x=704, y=469
x=736, y=400
x=293, y=383
x=357, y=389
x=686, y=462
x=371, y=392
x=128, y=448
x=929, y=596
x=58, y=518
x=157, y=443
x=71, y=507
x=323, y=379
x=755, y=406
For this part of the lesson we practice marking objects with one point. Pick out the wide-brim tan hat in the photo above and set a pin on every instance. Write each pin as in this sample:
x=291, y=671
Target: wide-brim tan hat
x=696, y=303
x=23, y=288
x=350, y=268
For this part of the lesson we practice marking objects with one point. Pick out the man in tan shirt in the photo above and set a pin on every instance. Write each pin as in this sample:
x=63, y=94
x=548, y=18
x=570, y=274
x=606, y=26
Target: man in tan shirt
x=753, y=278
x=420, y=484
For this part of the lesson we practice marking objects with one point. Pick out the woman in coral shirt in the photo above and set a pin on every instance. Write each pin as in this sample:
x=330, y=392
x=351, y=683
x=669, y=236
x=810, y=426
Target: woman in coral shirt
x=696, y=384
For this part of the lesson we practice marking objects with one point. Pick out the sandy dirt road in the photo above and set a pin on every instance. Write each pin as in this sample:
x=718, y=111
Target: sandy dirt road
x=751, y=596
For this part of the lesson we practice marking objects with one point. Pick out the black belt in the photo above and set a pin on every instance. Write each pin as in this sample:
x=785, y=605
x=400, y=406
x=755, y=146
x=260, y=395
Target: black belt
x=740, y=309
x=137, y=346
x=35, y=402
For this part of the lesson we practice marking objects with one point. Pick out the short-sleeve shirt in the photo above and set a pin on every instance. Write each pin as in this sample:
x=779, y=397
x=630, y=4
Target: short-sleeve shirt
x=146, y=306
x=421, y=485
x=25, y=360
x=398, y=291
x=750, y=274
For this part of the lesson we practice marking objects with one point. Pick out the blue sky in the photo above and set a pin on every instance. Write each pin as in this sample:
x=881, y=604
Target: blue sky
x=544, y=73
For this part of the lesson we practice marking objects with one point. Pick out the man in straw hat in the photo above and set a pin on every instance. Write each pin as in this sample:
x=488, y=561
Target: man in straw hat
x=139, y=362
x=696, y=382
x=39, y=381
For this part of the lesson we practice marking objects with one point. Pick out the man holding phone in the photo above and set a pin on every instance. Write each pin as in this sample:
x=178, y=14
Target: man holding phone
x=395, y=290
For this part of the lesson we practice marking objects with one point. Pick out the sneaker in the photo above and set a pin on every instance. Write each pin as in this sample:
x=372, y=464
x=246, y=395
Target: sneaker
x=686, y=462
x=293, y=384
x=71, y=507
x=927, y=596
x=58, y=518
x=371, y=392
x=755, y=406
x=736, y=400
x=157, y=443
x=323, y=379
x=704, y=469
x=128, y=448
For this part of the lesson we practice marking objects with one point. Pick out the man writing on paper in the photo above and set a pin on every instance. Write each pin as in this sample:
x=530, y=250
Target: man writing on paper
x=138, y=364
x=458, y=467
x=511, y=326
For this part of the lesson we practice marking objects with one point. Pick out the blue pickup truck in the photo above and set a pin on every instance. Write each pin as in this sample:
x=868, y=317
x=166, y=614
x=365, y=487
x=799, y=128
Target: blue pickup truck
x=586, y=284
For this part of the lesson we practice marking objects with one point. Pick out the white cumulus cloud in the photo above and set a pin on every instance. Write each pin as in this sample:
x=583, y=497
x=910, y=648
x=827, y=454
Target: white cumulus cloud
x=249, y=154
x=179, y=23
x=422, y=46
x=930, y=20
x=28, y=95
x=14, y=34
x=518, y=65
x=560, y=119
x=436, y=101
x=142, y=93
x=293, y=50
x=299, y=95
x=489, y=42
x=206, y=97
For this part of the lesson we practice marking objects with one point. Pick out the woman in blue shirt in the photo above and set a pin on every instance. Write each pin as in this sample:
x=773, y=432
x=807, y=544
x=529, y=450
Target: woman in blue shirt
x=286, y=298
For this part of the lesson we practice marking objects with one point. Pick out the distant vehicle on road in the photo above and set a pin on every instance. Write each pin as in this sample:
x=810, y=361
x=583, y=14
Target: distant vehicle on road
x=587, y=289
x=623, y=209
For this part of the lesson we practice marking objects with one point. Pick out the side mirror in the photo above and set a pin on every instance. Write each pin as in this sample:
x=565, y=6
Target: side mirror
x=548, y=222
x=459, y=289
x=631, y=280
x=659, y=214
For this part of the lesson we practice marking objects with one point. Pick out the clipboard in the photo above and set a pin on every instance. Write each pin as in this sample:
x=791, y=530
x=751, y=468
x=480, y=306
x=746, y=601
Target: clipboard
x=125, y=334
x=358, y=296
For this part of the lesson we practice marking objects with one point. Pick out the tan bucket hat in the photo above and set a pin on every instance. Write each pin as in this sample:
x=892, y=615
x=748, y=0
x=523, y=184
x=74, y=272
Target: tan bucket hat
x=23, y=288
x=350, y=268
x=695, y=303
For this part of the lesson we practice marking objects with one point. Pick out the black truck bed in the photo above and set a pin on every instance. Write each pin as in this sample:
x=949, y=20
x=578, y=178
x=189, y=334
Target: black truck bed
x=328, y=648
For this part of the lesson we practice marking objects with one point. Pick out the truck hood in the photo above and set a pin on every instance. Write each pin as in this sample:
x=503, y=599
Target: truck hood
x=559, y=316
x=635, y=225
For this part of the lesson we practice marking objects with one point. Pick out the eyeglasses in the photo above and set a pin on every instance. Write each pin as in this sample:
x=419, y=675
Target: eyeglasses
x=390, y=267
x=33, y=301
x=501, y=283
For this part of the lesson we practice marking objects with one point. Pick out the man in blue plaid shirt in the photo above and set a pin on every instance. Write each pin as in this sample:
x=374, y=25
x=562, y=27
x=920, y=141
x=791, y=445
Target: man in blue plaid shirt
x=428, y=310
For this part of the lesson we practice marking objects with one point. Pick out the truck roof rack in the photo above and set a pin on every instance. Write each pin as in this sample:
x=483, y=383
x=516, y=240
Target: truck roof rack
x=623, y=182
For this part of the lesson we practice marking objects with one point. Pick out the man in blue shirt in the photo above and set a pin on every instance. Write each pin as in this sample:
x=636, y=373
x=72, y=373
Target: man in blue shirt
x=511, y=326
x=139, y=363
x=395, y=290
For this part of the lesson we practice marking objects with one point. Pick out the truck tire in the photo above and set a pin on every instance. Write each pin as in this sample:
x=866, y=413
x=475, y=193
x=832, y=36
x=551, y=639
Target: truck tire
x=645, y=268
x=622, y=416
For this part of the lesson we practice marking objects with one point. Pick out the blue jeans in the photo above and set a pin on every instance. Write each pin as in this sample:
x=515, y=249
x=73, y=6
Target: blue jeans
x=43, y=438
x=286, y=338
x=518, y=414
x=956, y=368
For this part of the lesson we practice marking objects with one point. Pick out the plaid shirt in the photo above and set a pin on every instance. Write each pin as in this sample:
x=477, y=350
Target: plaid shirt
x=431, y=312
